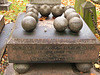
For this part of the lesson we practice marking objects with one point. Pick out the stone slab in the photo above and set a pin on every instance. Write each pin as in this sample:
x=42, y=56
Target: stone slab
x=5, y=6
x=4, y=36
x=3, y=1
x=49, y=69
x=52, y=46
x=2, y=23
x=45, y=2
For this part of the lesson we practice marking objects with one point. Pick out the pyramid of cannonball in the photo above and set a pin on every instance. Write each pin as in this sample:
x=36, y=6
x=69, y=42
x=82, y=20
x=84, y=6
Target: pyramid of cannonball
x=45, y=10
x=57, y=11
x=28, y=23
x=32, y=6
x=32, y=10
x=75, y=24
x=33, y=15
x=60, y=23
x=67, y=7
x=68, y=11
x=71, y=15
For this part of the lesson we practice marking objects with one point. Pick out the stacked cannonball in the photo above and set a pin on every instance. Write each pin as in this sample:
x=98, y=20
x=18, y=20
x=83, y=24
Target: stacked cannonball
x=31, y=18
x=71, y=20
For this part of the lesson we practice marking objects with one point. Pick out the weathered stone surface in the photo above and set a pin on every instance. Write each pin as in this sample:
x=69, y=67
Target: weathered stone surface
x=5, y=6
x=3, y=1
x=45, y=1
x=21, y=68
x=4, y=36
x=47, y=69
x=52, y=46
x=86, y=15
x=78, y=4
x=2, y=23
x=84, y=67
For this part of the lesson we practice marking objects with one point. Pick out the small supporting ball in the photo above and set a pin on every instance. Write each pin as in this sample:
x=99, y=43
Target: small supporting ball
x=71, y=15
x=84, y=67
x=60, y=23
x=29, y=23
x=33, y=15
x=57, y=11
x=68, y=11
x=75, y=24
x=21, y=68
x=45, y=10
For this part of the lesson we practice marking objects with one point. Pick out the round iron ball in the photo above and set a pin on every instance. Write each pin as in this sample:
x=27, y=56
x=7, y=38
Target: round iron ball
x=75, y=24
x=84, y=67
x=32, y=10
x=60, y=23
x=33, y=15
x=32, y=6
x=71, y=15
x=45, y=10
x=68, y=11
x=67, y=7
x=21, y=68
x=57, y=11
x=28, y=23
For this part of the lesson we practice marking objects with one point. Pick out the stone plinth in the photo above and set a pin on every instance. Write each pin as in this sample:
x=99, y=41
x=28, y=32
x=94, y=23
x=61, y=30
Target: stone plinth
x=4, y=36
x=45, y=1
x=5, y=6
x=2, y=23
x=51, y=46
x=3, y=1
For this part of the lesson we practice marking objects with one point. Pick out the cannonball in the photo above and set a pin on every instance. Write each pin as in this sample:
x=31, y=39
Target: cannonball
x=32, y=10
x=32, y=6
x=67, y=7
x=28, y=23
x=84, y=67
x=57, y=11
x=71, y=15
x=45, y=10
x=33, y=15
x=68, y=11
x=75, y=24
x=60, y=23
x=21, y=68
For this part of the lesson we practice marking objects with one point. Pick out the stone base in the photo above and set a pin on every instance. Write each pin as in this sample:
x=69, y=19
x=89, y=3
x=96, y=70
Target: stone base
x=2, y=24
x=4, y=36
x=5, y=6
x=49, y=69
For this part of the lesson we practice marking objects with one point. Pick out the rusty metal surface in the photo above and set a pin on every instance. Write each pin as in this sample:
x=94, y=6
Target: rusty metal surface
x=4, y=36
x=52, y=46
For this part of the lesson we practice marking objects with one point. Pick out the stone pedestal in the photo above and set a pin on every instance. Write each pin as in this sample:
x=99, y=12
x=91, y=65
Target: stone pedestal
x=2, y=23
x=5, y=6
x=38, y=3
x=4, y=36
x=3, y=1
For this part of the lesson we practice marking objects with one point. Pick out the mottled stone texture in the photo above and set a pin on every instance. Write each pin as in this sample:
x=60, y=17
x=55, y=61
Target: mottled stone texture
x=86, y=15
x=5, y=6
x=3, y=1
x=1, y=22
x=45, y=1
x=78, y=4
